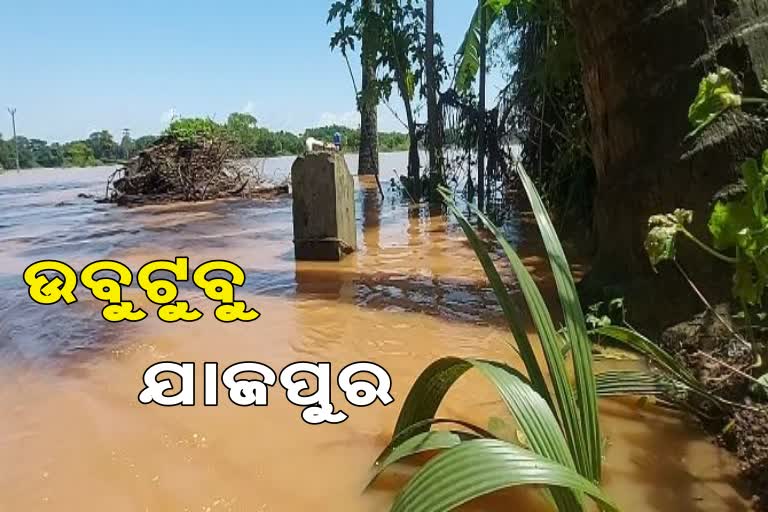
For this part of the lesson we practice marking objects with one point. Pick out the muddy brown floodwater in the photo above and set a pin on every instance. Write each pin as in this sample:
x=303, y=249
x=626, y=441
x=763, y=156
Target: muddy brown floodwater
x=74, y=437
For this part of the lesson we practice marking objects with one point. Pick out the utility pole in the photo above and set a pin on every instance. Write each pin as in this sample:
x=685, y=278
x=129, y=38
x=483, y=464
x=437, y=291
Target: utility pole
x=481, y=143
x=12, y=111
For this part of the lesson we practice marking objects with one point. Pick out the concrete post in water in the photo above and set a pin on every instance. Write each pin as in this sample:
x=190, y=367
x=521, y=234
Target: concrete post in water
x=323, y=207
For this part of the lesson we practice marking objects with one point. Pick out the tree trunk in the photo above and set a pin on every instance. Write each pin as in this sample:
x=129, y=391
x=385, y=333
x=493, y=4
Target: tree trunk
x=481, y=108
x=414, y=163
x=368, y=157
x=642, y=62
x=434, y=119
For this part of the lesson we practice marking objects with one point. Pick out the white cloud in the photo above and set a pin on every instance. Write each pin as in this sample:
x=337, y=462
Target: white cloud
x=168, y=116
x=350, y=119
x=249, y=108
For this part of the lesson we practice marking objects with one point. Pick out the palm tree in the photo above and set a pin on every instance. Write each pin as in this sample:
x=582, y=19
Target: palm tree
x=472, y=61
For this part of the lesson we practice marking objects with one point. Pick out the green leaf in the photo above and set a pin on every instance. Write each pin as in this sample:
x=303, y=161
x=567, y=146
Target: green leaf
x=633, y=383
x=532, y=413
x=661, y=241
x=727, y=221
x=514, y=317
x=761, y=387
x=468, y=54
x=480, y=467
x=717, y=93
x=658, y=356
x=576, y=331
x=548, y=337
x=420, y=443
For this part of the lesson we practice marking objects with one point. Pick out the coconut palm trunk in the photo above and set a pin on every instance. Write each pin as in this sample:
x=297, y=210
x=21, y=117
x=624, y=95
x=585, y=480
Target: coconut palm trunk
x=642, y=63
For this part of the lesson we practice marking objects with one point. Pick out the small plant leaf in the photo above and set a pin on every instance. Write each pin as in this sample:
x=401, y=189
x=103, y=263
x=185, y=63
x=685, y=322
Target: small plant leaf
x=761, y=387
x=718, y=92
x=661, y=242
x=727, y=221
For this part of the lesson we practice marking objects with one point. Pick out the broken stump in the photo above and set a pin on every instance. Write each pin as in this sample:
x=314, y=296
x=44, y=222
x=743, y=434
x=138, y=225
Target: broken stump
x=323, y=207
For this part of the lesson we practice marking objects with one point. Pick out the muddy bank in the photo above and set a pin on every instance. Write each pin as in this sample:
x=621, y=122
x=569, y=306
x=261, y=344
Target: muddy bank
x=716, y=357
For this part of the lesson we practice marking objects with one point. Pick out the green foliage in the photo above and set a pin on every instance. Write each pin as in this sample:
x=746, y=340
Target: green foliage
x=7, y=158
x=396, y=28
x=468, y=54
x=79, y=154
x=602, y=314
x=718, y=92
x=557, y=445
x=742, y=225
x=241, y=131
x=103, y=146
x=194, y=128
x=761, y=388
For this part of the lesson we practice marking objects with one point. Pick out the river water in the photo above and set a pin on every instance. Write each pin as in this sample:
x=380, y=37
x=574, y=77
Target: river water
x=73, y=435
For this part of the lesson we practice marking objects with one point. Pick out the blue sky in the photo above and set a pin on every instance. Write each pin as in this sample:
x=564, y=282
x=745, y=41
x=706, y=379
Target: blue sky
x=74, y=67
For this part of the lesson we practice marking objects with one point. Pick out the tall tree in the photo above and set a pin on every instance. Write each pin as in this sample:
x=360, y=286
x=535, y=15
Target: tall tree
x=368, y=101
x=103, y=145
x=481, y=143
x=434, y=117
x=400, y=42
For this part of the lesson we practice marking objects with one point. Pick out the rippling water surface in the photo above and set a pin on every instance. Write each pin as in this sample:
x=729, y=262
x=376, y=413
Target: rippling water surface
x=74, y=437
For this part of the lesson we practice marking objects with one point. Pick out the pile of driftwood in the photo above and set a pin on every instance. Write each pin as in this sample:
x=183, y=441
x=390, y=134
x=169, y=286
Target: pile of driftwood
x=191, y=170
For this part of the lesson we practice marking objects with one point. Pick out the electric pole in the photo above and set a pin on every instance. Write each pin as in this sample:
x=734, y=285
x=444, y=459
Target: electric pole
x=12, y=111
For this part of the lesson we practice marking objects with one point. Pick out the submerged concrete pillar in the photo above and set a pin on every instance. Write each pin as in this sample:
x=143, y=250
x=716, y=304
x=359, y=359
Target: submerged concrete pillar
x=323, y=207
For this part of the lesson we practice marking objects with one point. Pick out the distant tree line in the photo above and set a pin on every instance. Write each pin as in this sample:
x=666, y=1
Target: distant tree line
x=249, y=139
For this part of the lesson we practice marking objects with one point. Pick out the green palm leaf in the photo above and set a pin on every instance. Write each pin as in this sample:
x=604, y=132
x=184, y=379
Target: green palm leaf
x=420, y=443
x=532, y=413
x=576, y=329
x=659, y=356
x=551, y=344
x=633, y=383
x=480, y=467
x=512, y=313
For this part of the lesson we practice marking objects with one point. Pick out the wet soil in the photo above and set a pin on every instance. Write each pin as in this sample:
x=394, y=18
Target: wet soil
x=706, y=346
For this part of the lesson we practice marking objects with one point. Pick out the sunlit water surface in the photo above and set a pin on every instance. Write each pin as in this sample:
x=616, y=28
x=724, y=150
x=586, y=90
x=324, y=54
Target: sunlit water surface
x=74, y=437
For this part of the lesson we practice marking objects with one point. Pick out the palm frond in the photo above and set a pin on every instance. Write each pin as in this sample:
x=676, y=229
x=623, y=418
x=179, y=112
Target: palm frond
x=480, y=467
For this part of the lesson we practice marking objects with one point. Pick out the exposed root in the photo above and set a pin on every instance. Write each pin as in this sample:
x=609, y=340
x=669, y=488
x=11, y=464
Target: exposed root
x=193, y=170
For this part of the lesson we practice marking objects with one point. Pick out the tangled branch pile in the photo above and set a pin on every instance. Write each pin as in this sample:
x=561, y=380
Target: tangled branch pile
x=184, y=165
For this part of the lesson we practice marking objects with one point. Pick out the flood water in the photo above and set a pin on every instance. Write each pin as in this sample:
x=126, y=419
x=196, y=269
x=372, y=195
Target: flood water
x=73, y=435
